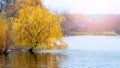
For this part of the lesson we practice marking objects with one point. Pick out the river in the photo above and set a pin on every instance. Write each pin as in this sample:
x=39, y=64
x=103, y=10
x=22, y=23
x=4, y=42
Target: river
x=83, y=52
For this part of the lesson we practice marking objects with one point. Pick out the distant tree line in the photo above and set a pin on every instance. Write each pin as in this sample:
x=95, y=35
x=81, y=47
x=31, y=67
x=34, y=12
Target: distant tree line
x=76, y=24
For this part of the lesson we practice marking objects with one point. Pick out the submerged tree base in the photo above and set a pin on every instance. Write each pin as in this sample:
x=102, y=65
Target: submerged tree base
x=4, y=53
x=31, y=50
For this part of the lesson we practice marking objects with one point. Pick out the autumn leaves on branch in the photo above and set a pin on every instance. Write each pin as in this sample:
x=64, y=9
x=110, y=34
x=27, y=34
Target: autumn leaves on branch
x=33, y=26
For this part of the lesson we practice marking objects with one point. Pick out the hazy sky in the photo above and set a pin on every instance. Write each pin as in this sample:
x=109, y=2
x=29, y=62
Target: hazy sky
x=85, y=6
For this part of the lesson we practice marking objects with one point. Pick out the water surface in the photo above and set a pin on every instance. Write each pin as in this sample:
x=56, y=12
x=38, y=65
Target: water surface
x=84, y=52
x=106, y=43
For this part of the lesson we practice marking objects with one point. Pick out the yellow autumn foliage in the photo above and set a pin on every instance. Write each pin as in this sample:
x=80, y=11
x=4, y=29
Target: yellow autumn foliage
x=3, y=34
x=35, y=27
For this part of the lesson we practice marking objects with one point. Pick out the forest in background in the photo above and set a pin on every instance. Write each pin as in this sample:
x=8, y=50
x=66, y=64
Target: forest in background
x=83, y=24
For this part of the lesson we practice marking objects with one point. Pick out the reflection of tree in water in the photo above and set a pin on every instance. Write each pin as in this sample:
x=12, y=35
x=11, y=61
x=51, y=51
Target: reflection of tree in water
x=37, y=60
x=4, y=61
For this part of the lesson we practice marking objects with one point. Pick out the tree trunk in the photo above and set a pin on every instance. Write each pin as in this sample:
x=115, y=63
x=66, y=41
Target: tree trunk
x=31, y=50
x=3, y=52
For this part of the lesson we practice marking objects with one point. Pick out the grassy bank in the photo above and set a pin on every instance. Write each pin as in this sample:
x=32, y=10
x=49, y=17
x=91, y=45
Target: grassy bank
x=108, y=33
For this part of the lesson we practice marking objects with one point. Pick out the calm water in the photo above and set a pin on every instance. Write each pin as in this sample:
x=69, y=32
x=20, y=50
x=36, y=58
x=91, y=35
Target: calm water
x=101, y=43
x=73, y=57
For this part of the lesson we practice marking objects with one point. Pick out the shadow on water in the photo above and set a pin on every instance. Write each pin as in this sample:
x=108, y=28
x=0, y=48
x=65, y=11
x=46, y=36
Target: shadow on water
x=28, y=60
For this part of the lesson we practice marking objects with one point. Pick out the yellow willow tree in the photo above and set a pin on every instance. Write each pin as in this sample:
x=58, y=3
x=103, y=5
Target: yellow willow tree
x=4, y=35
x=35, y=26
